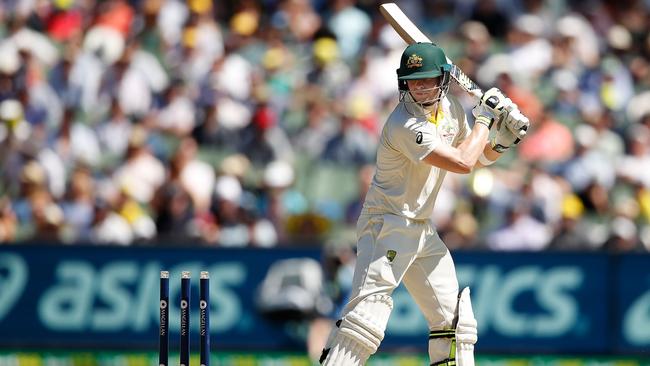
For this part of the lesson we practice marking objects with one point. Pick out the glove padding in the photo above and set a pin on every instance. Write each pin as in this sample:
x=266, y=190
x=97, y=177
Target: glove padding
x=504, y=138
x=492, y=105
x=516, y=122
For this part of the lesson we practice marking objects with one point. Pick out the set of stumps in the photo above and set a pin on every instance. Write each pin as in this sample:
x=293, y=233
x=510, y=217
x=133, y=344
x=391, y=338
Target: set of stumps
x=204, y=319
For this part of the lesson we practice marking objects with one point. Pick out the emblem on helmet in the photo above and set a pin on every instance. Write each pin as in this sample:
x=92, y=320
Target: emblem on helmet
x=414, y=61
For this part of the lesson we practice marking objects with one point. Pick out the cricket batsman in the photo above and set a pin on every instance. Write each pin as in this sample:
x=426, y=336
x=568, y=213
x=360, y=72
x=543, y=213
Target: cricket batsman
x=425, y=136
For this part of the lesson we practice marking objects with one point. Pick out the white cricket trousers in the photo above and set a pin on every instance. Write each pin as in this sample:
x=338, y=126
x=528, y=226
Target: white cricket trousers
x=421, y=260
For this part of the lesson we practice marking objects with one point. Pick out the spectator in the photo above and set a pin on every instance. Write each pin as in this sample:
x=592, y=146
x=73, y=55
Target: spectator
x=175, y=212
x=177, y=114
x=47, y=217
x=351, y=27
x=549, y=142
x=521, y=231
x=489, y=14
x=78, y=208
x=142, y=173
x=233, y=231
x=195, y=176
x=115, y=131
x=319, y=128
x=570, y=234
x=351, y=144
x=76, y=142
x=263, y=140
x=8, y=222
x=354, y=208
x=109, y=227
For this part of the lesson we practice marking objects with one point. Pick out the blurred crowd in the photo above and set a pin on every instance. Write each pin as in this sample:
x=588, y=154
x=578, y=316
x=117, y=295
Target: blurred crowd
x=255, y=122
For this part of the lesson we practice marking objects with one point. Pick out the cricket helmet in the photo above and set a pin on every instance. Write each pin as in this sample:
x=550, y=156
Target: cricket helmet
x=424, y=60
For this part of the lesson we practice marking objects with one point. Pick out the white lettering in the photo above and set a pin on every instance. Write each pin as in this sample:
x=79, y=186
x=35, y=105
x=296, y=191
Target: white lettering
x=13, y=277
x=145, y=306
x=506, y=319
x=496, y=297
x=636, y=323
x=116, y=314
x=66, y=305
x=552, y=296
x=225, y=302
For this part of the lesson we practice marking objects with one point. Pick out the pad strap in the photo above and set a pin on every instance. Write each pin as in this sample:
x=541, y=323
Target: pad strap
x=450, y=334
x=445, y=362
x=446, y=333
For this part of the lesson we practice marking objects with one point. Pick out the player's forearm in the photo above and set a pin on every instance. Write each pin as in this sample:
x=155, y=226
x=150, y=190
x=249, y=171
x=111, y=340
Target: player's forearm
x=463, y=158
x=489, y=154
x=474, y=145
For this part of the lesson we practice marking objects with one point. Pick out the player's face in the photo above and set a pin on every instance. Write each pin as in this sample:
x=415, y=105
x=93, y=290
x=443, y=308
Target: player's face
x=424, y=90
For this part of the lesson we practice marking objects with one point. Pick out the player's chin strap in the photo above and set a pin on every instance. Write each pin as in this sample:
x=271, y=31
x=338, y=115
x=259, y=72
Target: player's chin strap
x=417, y=109
x=463, y=338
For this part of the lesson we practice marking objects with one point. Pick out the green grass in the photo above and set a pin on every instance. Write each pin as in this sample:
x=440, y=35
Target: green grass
x=134, y=358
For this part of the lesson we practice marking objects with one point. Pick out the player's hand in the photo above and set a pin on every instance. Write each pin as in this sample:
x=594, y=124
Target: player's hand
x=492, y=105
x=504, y=138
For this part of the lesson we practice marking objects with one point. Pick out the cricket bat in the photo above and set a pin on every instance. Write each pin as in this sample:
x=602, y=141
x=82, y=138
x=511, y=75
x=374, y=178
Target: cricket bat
x=412, y=34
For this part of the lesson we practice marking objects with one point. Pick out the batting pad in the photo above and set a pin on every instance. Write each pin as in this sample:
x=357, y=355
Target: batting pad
x=361, y=331
x=466, y=331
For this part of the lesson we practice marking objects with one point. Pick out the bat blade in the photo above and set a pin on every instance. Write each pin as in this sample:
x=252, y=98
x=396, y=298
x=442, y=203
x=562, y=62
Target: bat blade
x=402, y=24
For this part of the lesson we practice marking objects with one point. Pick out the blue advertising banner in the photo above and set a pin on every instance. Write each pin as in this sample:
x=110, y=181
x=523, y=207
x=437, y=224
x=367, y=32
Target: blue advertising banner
x=631, y=303
x=79, y=296
x=97, y=296
x=527, y=302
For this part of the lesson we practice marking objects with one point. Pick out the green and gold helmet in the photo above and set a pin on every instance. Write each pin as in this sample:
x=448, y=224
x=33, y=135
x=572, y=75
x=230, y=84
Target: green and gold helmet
x=422, y=61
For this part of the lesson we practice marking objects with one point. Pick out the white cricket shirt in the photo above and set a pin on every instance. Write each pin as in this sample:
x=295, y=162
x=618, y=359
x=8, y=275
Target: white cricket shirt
x=404, y=184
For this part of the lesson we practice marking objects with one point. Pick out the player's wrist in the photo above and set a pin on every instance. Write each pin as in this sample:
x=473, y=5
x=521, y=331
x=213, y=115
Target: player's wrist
x=485, y=120
x=498, y=146
x=484, y=160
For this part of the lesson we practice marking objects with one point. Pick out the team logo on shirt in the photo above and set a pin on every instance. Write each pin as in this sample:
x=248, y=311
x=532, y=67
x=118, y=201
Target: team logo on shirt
x=391, y=254
x=414, y=61
x=448, y=132
x=418, y=137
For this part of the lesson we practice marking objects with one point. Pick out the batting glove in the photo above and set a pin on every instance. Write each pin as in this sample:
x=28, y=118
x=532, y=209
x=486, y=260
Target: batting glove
x=516, y=122
x=504, y=138
x=491, y=106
